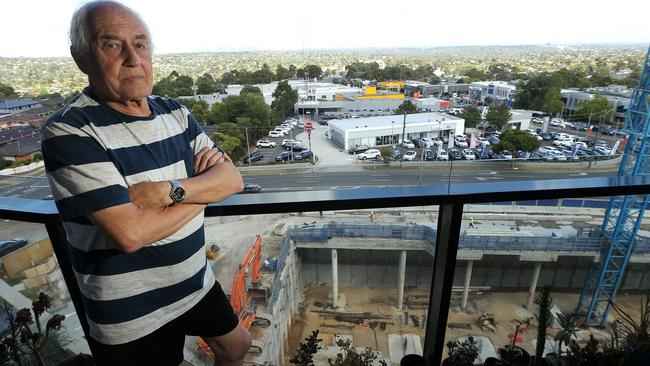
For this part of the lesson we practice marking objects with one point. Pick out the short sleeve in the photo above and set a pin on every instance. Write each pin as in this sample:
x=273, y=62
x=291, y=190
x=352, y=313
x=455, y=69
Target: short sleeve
x=81, y=173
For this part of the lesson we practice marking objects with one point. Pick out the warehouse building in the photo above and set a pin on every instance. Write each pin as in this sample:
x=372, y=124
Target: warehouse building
x=387, y=130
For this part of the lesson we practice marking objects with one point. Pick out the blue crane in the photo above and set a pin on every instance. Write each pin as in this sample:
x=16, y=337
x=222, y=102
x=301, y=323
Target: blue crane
x=624, y=213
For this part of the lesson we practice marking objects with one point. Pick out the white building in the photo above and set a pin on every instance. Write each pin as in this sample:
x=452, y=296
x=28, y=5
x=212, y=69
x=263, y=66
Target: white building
x=387, y=130
x=15, y=106
x=499, y=91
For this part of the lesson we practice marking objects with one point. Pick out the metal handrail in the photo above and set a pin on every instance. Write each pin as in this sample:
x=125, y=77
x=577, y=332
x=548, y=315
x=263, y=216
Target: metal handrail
x=449, y=198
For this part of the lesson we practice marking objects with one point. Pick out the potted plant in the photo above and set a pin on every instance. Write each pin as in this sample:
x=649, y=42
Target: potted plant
x=461, y=353
x=545, y=302
x=513, y=355
x=636, y=333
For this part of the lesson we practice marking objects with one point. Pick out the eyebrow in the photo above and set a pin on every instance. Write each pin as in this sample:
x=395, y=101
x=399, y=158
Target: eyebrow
x=112, y=36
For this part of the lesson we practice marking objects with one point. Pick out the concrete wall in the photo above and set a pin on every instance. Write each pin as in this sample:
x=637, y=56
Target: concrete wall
x=378, y=268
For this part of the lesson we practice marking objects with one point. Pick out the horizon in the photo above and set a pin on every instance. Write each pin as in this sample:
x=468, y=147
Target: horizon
x=289, y=25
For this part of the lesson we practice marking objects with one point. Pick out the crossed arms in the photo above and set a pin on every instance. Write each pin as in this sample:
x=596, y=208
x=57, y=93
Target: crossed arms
x=150, y=217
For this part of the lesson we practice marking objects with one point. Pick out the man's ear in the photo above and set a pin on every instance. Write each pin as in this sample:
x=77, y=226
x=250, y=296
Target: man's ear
x=79, y=60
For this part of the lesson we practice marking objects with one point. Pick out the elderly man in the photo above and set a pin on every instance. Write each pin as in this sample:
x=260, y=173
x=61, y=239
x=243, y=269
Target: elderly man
x=131, y=174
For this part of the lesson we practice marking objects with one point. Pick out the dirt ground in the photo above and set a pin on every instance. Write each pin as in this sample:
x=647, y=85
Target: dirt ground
x=507, y=307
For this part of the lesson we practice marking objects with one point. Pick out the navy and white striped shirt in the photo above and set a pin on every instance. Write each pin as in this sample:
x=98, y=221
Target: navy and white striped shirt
x=92, y=154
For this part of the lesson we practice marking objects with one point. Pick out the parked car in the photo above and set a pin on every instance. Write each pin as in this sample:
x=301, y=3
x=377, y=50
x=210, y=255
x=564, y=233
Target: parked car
x=429, y=155
x=520, y=154
x=295, y=146
x=251, y=188
x=283, y=156
x=369, y=154
x=408, y=144
x=506, y=154
x=8, y=246
x=442, y=155
x=253, y=157
x=495, y=155
x=545, y=136
x=358, y=149
x=455, y=155
x=461, y=141
x=303, y=155
x=410, y=155
x=265, y=143
x=493, y=139
x=396, y=154
x=275, y=134
x=483, y=141
x=468, y=154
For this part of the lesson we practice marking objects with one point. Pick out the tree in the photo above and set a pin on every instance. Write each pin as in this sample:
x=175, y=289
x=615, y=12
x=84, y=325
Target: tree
x=305, y=354
x=284, y=98
x=514, y=140
x=206, y=84
x=310, y=71
x=498, y=115
x=263, y=75
x=545, y=302
x=568, y=323
x=283, y=73
x=488, y=101
x=386, y=154
x=250, y=89
x=230, y=144
x=7, y=92
x=471, y=115
x=553, y=102
x=406, y=108
x=598, y=107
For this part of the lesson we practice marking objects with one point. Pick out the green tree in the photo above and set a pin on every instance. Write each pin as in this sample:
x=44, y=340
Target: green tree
x=471, y=115
x=406, y=108
x=7, y=92
x=250, y=89
x=282, y=73
x=218, y=113
x=553, y=103
x=514, y=140
x=263, y=75
x=498, y=115
x=198, y=108
x=488, y=101
x=230, y=144
x=386, y=153
x=284, y=98
x=206, y=84
x=597, y=108
x=310, y=71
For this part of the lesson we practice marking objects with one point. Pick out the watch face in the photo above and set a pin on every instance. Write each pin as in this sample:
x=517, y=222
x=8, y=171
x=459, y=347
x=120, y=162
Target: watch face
x=178, y=194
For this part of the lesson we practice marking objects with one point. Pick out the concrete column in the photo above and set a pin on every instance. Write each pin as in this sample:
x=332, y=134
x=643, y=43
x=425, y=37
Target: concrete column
x=401, y=277
x=335, y=279
x=533, y=285
x=468, y=277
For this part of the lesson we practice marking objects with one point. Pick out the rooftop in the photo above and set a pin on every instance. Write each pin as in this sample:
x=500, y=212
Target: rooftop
x=16, y=103
x=382, y=121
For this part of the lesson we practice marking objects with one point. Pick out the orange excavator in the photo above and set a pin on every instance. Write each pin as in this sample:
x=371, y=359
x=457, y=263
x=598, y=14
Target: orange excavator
x=239, y=298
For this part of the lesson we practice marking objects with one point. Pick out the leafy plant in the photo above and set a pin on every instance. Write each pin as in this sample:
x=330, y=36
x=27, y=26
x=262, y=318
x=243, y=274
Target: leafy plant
x=462, y=353
x=23, y=341
x=587, y=355
x=636, y=334
x=350, y=357
x=545, y=302
x=305, y=354
x=568, y=323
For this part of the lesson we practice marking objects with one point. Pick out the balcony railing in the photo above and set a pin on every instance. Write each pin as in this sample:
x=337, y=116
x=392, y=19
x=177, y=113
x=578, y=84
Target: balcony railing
x=448, y=237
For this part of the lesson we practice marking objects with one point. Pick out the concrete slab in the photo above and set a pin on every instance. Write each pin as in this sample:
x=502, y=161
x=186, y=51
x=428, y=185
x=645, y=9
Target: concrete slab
x=401, y=345
x=539, y=257
x=469, y=255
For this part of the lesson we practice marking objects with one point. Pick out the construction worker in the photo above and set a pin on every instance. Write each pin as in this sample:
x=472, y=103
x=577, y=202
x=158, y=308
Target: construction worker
x=471, y=223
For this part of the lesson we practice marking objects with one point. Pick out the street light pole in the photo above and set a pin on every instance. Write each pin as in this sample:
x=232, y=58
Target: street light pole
x=401, y=162
x=248, y=147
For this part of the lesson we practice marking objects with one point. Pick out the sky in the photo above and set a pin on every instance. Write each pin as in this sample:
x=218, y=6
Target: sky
x=36, y=28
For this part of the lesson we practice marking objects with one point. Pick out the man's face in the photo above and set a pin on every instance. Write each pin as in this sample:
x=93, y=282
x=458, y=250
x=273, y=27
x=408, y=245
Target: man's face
x=119, y=63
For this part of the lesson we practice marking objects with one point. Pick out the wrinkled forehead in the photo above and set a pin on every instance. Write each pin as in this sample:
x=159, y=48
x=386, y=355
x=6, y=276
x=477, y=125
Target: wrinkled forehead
x=119, y=21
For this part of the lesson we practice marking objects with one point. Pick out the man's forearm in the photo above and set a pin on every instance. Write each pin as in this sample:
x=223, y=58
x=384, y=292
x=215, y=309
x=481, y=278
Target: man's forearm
x=217, y=183
x=131, y=227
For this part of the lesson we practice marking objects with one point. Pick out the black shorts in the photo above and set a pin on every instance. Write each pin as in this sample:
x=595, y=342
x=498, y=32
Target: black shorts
x=211, y=317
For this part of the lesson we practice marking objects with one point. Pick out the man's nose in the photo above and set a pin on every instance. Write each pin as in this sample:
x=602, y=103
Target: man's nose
x=131, y=57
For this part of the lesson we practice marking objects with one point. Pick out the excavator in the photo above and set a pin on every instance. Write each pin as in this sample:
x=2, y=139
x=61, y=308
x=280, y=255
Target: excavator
x=239, y=297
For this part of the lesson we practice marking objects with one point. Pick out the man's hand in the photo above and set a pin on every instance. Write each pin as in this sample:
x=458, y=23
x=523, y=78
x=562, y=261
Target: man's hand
x=207, y=157
x=150, y=194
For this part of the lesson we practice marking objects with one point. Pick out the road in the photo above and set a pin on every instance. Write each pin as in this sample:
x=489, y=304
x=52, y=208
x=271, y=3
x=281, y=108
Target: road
x=379, y=179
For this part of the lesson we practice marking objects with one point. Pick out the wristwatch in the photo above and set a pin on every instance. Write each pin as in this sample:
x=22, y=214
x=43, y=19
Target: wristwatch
x=177, y=192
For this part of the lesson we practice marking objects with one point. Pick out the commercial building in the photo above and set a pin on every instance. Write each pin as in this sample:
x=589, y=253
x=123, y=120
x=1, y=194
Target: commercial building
x=618, y=97
x=387, y=130
x=499, y=91
x=371, y=102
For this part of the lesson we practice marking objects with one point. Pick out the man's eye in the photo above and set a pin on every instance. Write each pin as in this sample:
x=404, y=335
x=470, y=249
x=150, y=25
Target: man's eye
x=111, y=45
x=141, y=46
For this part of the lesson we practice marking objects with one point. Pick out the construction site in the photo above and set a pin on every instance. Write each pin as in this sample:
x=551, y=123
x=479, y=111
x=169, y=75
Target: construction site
x=367, y=279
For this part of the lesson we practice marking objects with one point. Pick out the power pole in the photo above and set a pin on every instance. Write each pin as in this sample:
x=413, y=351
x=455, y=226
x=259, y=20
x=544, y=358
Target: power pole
x=401, y=162
x=248, y=147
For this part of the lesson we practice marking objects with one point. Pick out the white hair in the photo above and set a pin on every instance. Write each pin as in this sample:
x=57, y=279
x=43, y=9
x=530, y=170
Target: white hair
x=81, y=27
